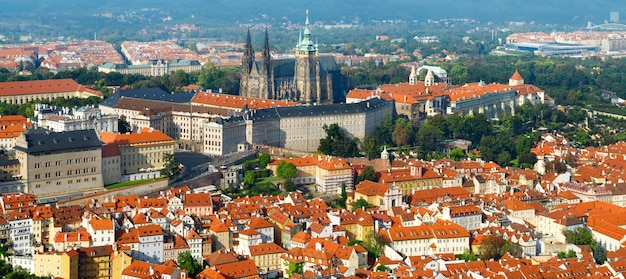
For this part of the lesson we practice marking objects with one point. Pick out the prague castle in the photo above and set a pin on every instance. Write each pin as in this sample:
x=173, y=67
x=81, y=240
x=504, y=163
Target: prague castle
x=309, y=78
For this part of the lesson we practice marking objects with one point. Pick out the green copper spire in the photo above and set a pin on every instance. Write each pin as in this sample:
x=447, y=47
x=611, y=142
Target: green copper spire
x=307, y=18
x=306, y=44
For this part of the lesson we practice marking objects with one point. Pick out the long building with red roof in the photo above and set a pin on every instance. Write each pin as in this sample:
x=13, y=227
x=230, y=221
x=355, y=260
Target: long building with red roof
x=417, y=99
x=20, y=92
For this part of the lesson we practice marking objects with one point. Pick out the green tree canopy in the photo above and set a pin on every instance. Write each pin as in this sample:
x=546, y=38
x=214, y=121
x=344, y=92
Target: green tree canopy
x=428, y=137
x=295, y=268
x=249, y=178
x=385, y=129
x=171, y=166
x=457, y=154
x=368, y=173
x=264, y=159
x=403, y=134
x=494, y=247
x=187, y=262
x=286, y=170
x=361, y=203
x=467, y=256
x=371, y=147
x=336, y=143
x=569, y=254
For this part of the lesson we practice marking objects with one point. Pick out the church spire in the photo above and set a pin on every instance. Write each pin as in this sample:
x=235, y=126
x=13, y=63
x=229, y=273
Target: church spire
x=248, y=55
x=413, y=76
x=265, y=60
x=307, y=18
x=306, y=44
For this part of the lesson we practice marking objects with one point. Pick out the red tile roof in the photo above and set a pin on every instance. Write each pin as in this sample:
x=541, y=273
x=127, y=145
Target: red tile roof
x=43, y=87
x=147, y=135
x=237, y=102
x=516, y=76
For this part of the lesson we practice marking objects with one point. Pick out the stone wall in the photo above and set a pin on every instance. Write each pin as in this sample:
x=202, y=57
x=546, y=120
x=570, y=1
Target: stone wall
x=139, y=190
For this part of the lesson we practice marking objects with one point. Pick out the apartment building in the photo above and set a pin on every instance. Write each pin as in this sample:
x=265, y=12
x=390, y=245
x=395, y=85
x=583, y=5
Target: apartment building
x=54, y=164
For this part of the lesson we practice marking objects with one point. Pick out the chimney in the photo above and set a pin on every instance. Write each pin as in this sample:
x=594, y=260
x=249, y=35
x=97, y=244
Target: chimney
x=151, y=270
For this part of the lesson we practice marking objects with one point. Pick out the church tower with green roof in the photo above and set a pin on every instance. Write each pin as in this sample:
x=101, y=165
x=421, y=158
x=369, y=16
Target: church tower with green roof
x=307, y=69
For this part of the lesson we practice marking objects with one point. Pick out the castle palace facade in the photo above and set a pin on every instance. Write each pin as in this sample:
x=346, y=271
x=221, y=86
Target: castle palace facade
x=308, y=78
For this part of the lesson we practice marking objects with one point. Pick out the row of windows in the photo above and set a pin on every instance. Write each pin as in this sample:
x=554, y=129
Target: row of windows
x=69, y=172
x=67, y=162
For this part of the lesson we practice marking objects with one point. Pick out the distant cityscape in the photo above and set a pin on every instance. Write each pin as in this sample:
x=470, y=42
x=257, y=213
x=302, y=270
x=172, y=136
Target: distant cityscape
x=302, y=175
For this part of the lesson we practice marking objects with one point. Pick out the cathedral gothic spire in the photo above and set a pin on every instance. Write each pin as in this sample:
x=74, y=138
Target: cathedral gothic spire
x=247, y=60
x=266, y=58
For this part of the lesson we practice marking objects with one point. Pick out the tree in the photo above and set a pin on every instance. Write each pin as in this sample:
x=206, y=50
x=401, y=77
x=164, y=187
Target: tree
x=467, y=256
x=341, y=201
x=122, y=125
x=569, y=254
x=385, y=129
x=286, y=170
x=374, y=243
x=382, y=268
x=599, y=253
x=370, y=147
x=527, y=159
x=504, y=158
x=361, y=203
x=556, y=166
x=579, y=236
x=171, y=166
x=295, y=268
x=264, y=159
x=368, y=173
x=290, y=186
x=457, y=154
x=427, y=137
x=249, y=178
x=187, y=262
x=336, y=143
x=489, y=148
x=402, y=134
x=495, y=246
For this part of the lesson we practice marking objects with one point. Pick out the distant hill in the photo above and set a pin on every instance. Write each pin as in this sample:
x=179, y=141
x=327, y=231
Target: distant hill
x=228, y=12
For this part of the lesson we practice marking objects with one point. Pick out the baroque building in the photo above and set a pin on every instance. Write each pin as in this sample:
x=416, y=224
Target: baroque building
x=308, y=78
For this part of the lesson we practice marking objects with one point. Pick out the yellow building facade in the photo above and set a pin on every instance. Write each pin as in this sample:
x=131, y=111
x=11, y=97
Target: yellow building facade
x=63, y=265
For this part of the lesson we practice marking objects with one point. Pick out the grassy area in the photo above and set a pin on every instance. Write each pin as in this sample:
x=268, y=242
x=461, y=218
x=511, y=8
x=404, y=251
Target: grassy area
x=131, y=183
x=268, y=179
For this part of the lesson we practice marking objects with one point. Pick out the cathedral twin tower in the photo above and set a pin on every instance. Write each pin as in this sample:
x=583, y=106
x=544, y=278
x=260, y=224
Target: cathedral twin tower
x=308, y=79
